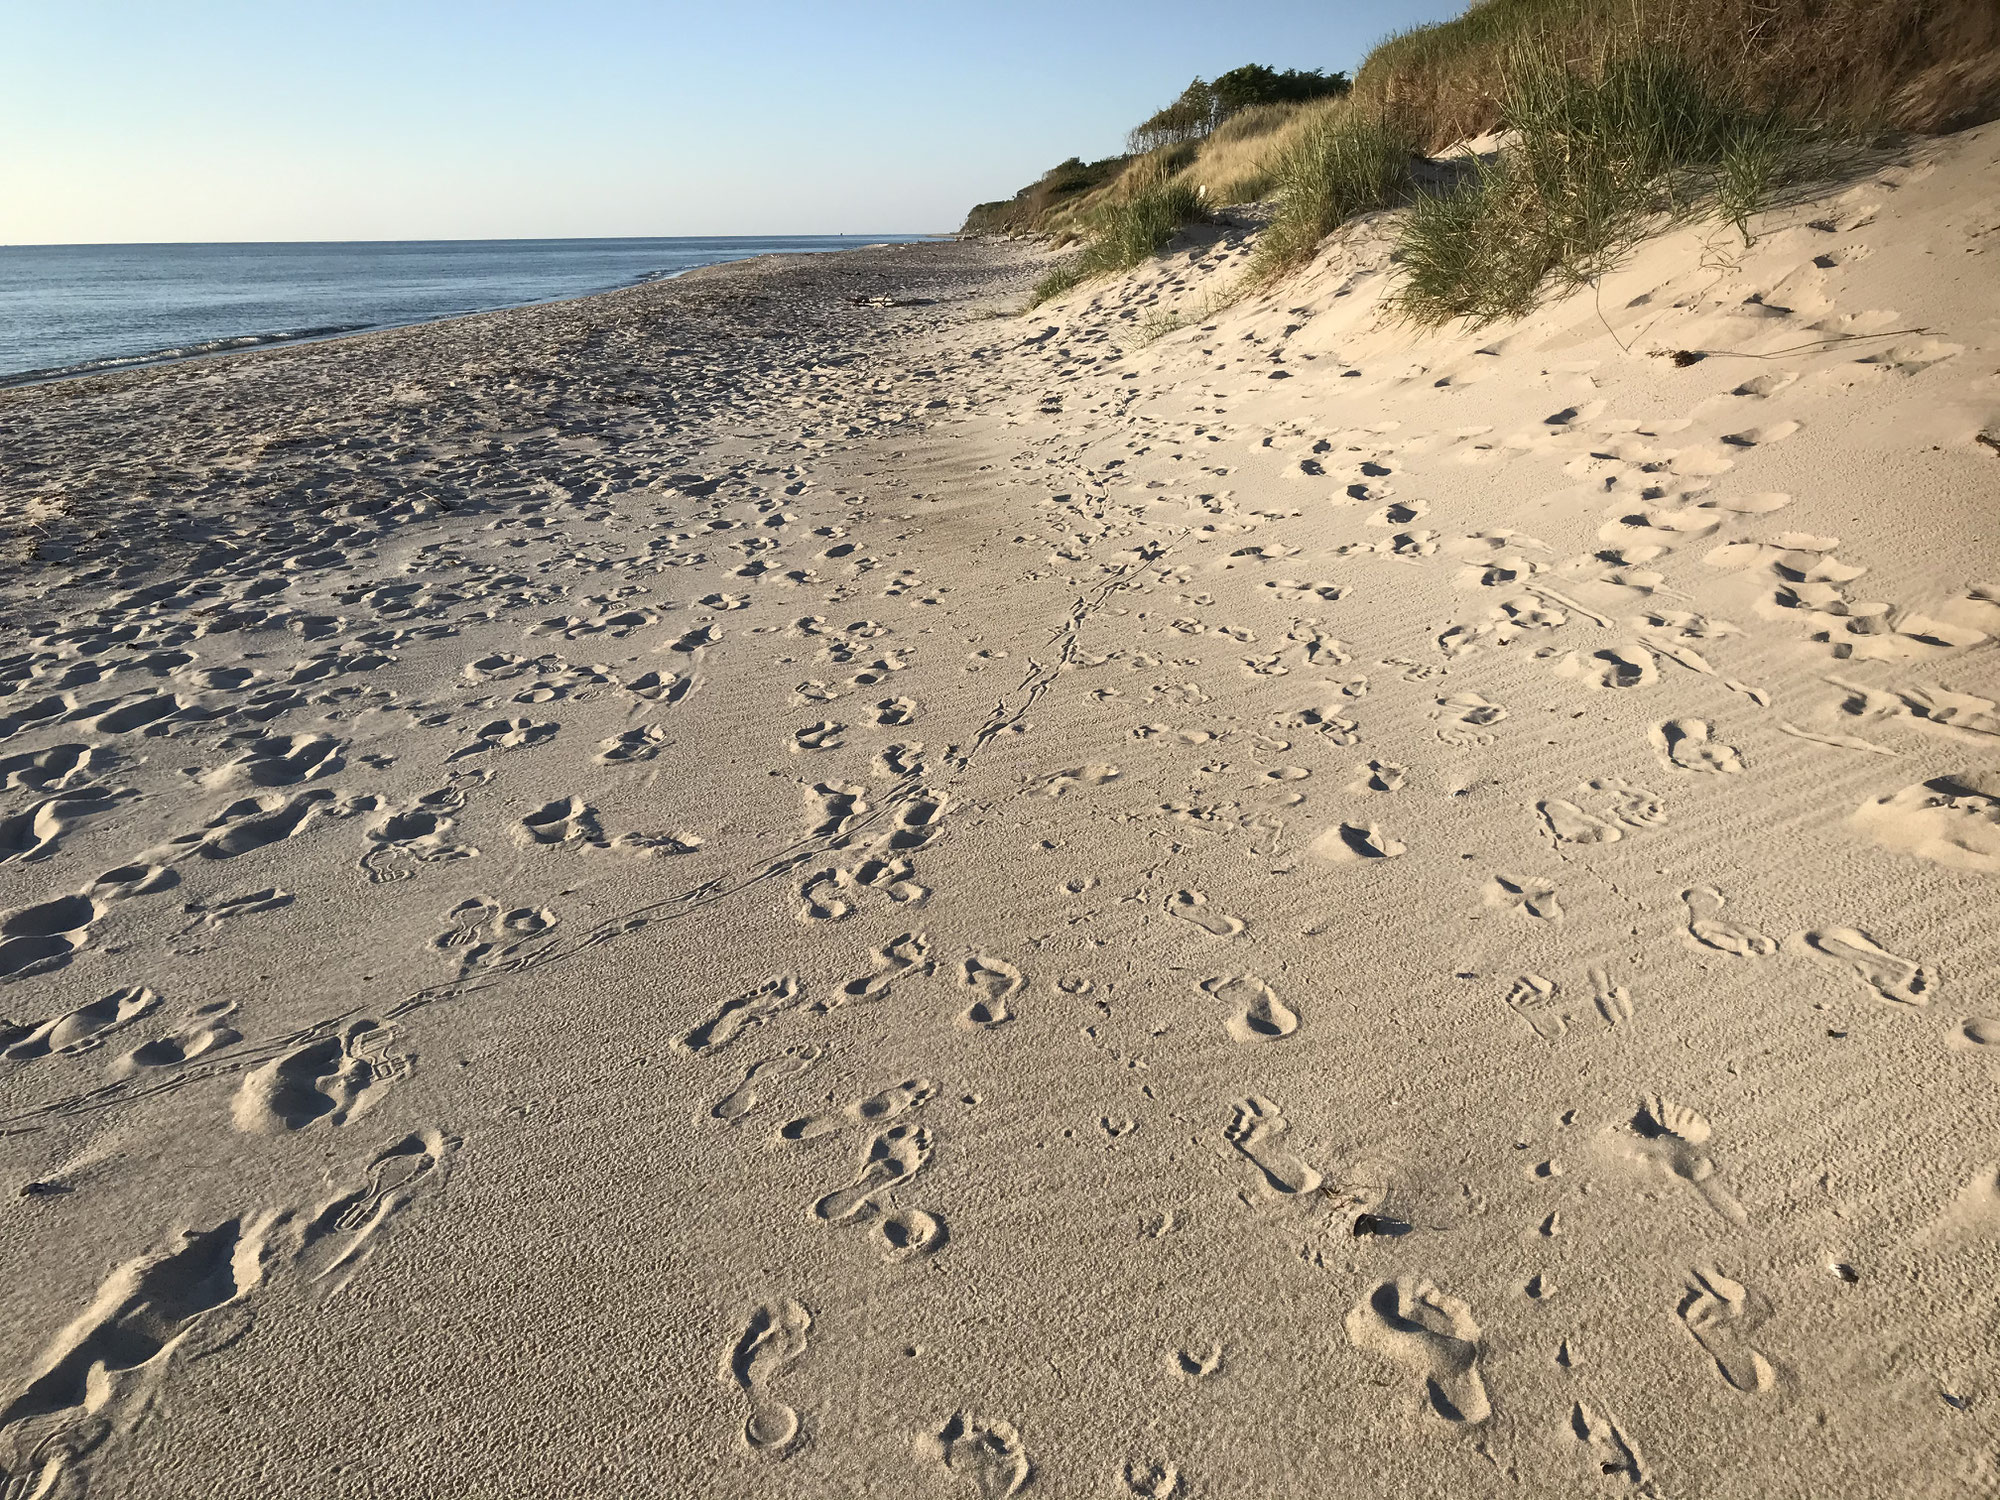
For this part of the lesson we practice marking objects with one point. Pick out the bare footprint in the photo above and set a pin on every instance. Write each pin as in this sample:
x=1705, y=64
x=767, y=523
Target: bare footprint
x=1256, y=1012
x=983, y=1456
x=1255, y=1130
x=902, y=1234
x=1534, y=1000
x=1690, y=745
x=895, y=1155
x=1467, y=720
x=735, y=1105
x=898, y=1099
x=1431, y=1334
x=1900, y=981
x=1530, y=895
x=996, y=980
x=1721, y=1314
x=1672, y=1136
x=1567, y=823
x=742, y=1013
x=773, y=1339
x=1192, y=906
x=1708, y=926
x=824, y=735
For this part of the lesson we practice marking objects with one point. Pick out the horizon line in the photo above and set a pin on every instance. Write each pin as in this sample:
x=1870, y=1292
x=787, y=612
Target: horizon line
x=517, y=239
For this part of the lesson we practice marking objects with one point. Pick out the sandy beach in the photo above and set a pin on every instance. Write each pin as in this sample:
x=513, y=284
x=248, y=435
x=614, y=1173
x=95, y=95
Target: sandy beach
x=790, y=883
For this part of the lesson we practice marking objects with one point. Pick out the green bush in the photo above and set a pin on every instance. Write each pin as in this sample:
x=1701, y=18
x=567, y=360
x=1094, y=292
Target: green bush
x=1598, y=158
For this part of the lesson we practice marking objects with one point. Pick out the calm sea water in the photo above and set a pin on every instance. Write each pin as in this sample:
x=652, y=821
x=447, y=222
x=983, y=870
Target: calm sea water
x=74, y=309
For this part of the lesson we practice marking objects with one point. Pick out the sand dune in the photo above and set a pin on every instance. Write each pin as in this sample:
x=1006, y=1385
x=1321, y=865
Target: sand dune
x=787, y=884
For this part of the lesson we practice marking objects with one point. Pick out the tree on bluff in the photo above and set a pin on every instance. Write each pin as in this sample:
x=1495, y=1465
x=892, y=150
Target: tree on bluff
x=1188, y=118
x=1250, y=84
x=1202, y=105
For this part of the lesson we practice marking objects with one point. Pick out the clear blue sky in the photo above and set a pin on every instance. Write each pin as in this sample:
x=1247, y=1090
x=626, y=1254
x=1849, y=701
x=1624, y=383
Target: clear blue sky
x=355, y=119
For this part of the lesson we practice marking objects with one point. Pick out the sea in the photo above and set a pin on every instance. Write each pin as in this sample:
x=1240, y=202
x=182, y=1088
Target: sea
x=79, y=309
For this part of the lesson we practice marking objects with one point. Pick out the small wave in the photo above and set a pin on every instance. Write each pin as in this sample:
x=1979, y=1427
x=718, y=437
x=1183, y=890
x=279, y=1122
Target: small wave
x=178, y=351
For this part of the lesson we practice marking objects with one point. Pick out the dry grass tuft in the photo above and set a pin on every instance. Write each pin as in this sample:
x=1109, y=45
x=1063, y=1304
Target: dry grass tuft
x=1926, y=65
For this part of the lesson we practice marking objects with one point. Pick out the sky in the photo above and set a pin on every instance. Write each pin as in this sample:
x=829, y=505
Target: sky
x=128, y=121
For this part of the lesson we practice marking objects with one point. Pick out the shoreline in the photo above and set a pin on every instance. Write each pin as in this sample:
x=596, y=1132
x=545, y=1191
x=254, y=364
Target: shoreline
x=925, y=902
x=223, y=344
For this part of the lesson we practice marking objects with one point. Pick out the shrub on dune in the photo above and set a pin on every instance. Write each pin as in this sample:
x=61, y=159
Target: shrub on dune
x=1152, y=201
x=1595, y=159
x=1340, y=163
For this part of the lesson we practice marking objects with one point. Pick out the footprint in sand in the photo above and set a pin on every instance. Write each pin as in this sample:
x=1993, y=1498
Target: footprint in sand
x=201, y=1033
x=505, y=734
x=1708, y=926
x=1196, y=1364
x=658, y=687
x=78, y=1030
x=634, y=745
x=1064, y=782
x=1255, y=1129
x=1150, y=1481
x=979, y=1455
x=1690, y=745
x=1671, y=1136
x=1534, y=1000
x=1467, y=720
x=255, y=822
x=742, y=1013
x=1256, y=1012
x=1567, y=823
x=737, y=1104
x=825, y=735
x=906, y=953
x=98, y=1375
x=1381, y=776
x=1431, y=1334
x=772, y=1341
x=1613, y=1000
x=1192, y=906
x=1530, y=895
x=1721, y=1314
x=338, y=1237
x=1348, y=842
x=483, y=935
x=416, y=835
x=901, y=1234
x=1976, y=1032
x=332, y=1078
x=1951, y=820
x=1900, y=981
x=894, y=1155
x=1611, y=1449
x=1626, y=667
x=1617, y=807
x=276, y=760
x=997, y=981
x=249, y=903
x=898, y=1099
x=567, y=820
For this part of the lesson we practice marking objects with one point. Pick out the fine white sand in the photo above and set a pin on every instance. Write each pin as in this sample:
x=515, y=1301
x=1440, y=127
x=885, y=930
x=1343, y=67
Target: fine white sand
x=789, y=885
